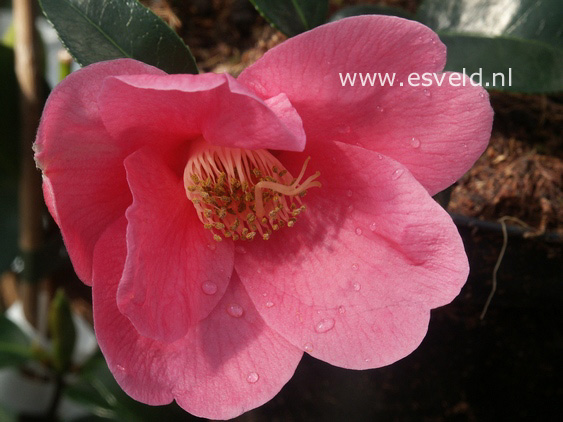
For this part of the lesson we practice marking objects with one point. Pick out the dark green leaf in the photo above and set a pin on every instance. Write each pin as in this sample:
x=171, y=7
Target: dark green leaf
x=528, y=66
x=63, y=332
x=96, y=30
x=370, y=9
x=15, y=346
x=98, y=391
x=293, y=16
x=522, y=35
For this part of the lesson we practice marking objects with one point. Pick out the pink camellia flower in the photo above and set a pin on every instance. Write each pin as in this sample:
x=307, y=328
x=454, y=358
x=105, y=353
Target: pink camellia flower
x=181, y=199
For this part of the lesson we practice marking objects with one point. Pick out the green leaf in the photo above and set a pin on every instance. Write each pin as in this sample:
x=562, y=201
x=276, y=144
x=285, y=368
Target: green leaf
x=98, y=391
x=62, y=330
x=15, y=346
x=293, y=16
x=523, y=36
x=96, y=30
x=370, y=9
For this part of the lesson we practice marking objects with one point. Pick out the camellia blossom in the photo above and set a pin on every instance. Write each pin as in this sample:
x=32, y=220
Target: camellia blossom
x=229, y=225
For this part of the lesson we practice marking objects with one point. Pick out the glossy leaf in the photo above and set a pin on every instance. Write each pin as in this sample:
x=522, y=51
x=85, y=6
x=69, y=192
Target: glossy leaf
x=370, y=9
x=15, y=346
x=96, y=30
x=293, y=16
x=497, y=35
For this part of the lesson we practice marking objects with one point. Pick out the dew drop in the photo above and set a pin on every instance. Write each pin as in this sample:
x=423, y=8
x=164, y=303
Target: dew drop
x=350, y=208
x=415, y=142
x=349, y=193
x=212, y=246
x=208, y=287
x=120, y=368
x=269, y=304
x=366, y=360
x=427, y=92
x=397, y=173
x=308, y=347
x=355, y=267
x=240, y=249
x=379, y=157
x=324, y=325
x=235, y=310
x=252, y=377
x=356, y=286
x=341, y=310
x=358, y=231
x=259, y=270
x=379, y=108
x=464, y=145
x=482, y=94
x=372, y=227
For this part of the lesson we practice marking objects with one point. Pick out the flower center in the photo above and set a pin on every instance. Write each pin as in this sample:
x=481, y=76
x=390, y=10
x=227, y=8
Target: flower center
x=241, y=193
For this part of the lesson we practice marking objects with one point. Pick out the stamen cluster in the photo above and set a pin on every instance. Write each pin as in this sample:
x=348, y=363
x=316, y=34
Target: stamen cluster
x=241, y=194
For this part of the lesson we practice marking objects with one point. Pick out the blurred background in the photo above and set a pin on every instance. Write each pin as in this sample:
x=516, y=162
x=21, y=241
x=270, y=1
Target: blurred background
x=493, y=354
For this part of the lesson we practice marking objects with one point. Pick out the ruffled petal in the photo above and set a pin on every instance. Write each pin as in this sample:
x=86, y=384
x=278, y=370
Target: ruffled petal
x=84, y=179
x=175, y=273
x=224, y=366
x=181, y=107
x=353, y=281
x=437, y=132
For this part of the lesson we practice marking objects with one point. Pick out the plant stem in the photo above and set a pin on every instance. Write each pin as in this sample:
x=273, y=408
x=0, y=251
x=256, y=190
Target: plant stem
x=30, y=193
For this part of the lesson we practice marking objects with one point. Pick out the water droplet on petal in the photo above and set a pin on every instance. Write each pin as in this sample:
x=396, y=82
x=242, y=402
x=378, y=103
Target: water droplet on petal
x=464, y=145
x=240, y=249
x=324, y=325
x=356, y=286
x=259, y=270
x=120, y=368
x=355, y=267
x=349, y=193
x=372, y=227
x=212, y=246
x=208, y=287
x=269, y=304
x=341, y=310
x=235, y=310
x=358, y=231
x=379, y=157
x=350, y=208
x=397, y=173
x=482, y=94
x=427, y=92
x=308, y=347
x=415, y=142
x=379, y=108
x=366, y=360
x=252, y=377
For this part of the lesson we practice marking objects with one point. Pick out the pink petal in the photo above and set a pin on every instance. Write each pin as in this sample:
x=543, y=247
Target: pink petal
x=224, y=366
x=353, y=282
x=180, y=107
x=84, y=178
x=450, y=125
x=175, y=273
